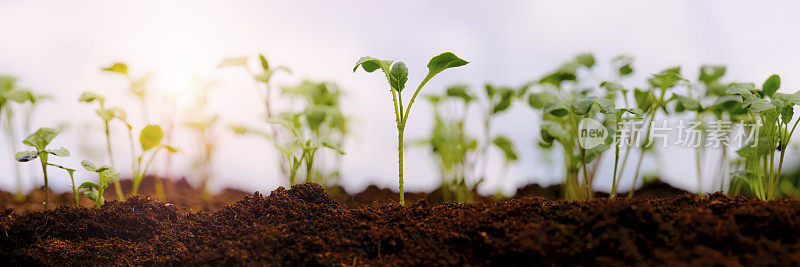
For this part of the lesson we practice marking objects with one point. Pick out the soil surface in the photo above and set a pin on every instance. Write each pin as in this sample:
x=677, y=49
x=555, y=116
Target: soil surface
x=186, y=197
x=305, y=226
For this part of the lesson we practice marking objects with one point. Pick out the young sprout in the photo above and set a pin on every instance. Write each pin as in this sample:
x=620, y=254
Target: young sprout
x=307, y=147
x=9, y=92
x=107, y=114
x=565, y=105
x=150, y=140
x=397, y=75
x=39, y=140
x=263, y=77
x=137, y=86
x=775, y=112
x=324, y=120
x=94, y=191
x=646, y=101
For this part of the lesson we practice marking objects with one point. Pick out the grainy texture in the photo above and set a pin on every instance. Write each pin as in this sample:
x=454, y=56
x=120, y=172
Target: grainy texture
x=305, y=226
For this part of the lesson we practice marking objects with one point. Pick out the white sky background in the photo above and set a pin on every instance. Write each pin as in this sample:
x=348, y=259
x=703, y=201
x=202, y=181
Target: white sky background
x=59, y=47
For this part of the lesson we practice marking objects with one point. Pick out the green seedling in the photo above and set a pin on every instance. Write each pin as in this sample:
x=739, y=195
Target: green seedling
x=107, y=114
x=647, y=102
x=263, y=79
x=39, y=140
x=302, y=149
x=11, y=93
x=462, y=157
x=323, y=120
x=150, y=140
x=136, y=86
x=773, y=113
x=204, y=126
x=397, y=76
x=94, y=191
x=564, y=103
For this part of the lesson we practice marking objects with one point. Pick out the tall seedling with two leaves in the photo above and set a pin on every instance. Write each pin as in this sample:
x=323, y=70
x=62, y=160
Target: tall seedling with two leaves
x=39, y=140
x=397, y=75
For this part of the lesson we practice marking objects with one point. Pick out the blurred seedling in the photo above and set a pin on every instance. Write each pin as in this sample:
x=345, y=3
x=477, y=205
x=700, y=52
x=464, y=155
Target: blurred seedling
x=94, y=191
x=263, y=77
x=303, y=149
x=39, y=140
x=397, y=75
x=11, y=93
x=107, y=114
x=150, y=140
x=136, y=86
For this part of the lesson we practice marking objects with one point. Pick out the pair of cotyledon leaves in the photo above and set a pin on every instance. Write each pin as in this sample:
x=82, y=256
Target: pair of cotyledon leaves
x=263, y=76
x=39, y=140
x=397, y=73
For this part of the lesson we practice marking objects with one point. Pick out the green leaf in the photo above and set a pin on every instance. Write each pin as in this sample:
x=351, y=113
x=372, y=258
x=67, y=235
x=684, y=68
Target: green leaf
x=625, y=70
x=370, y=64
x=583, y=106
x=621, y=111
x=506, y=146
x=108, y=175
x=539, y=100
x=171, y=149
x=442, y=62
x=59, y=152
x=743, y=89
x=771, y=85
x=398, y=76
x=788, y=98
x=757, y=105
x=264, y=63
x=667, y=78
x=87, y=185
x=88, y=165
x=118, y=67
x=460, y=91
x=41, y=138
x=150, y=137
x=331, y=145
x=556, y=109
x=25, y=156
x=585, y=59
x=90, y=97
x=787, y=113
x=711, y=73
x=687, y=102
x=233, y=61
x=106, y=114
x=506, y=95
x=556, y=131
x=612, y=86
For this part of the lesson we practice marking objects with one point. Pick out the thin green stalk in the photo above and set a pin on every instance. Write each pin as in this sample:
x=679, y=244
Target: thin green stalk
x=616, y=163
x=43, y=160
x=400, y=165
x=117, y=186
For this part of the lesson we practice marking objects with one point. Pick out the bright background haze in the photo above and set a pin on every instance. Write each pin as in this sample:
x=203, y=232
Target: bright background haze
x=58, y=48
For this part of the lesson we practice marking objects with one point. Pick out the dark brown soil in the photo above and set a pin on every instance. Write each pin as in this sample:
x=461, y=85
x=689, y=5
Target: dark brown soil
x=178, y=192
x=304, y=226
